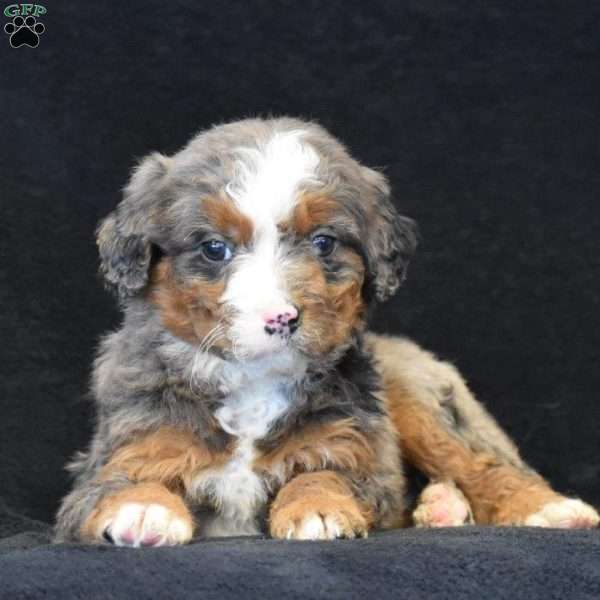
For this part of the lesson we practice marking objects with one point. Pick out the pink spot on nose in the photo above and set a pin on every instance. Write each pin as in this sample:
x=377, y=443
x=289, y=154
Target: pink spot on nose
x=281, y=315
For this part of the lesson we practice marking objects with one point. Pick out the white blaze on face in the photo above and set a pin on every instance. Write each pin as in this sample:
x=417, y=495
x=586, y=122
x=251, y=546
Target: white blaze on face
x=268, y=176
x=265, y=189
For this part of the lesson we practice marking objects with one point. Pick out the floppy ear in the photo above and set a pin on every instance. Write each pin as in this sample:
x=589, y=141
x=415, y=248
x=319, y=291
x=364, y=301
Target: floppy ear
x=392, y=239
x=125, y=251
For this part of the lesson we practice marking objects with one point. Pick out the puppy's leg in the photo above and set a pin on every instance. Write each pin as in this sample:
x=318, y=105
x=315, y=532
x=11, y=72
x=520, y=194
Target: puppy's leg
x=318, y=506
x=137, y=497
x=338, y=479
x=146, y=514
x=447, y=434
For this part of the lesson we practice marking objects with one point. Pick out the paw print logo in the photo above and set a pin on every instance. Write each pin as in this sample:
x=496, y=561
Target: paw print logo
x=24, y=32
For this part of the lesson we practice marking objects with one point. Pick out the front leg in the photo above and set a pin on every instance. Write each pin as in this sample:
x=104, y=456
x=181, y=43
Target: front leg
x=138, y=496
x=335, y=479
x=318, y=506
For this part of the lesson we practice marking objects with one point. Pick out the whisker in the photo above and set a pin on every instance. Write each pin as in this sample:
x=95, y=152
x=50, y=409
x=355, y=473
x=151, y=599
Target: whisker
x=210, y=338
x=200, y=354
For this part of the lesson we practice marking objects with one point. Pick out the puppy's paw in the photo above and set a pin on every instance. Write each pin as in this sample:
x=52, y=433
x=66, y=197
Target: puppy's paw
x=317, y=519
x=141, y=515
x=146, y=525
x=442, y=504
x=568, y=513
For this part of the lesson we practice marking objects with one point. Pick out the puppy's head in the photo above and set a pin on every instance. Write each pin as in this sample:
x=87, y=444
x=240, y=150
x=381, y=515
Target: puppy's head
x=259, y=237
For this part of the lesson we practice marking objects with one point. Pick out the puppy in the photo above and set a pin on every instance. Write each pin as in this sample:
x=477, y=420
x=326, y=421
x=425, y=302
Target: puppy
x=243, y=394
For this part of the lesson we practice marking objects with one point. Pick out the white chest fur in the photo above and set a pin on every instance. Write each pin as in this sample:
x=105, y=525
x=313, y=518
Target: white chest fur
x=235, y=490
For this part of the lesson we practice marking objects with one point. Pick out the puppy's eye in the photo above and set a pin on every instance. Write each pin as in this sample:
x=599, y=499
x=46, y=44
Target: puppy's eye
x=323, y=244
x=217, y=250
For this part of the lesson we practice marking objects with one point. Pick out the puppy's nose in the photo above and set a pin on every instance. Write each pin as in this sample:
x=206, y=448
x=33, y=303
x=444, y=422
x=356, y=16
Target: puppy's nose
x=282, y=320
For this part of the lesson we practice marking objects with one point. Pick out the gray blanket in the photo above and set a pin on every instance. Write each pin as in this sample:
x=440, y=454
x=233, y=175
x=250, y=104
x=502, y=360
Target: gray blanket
x=471, y=563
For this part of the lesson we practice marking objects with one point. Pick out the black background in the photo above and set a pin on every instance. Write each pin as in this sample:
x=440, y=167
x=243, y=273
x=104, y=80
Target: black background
x=484, y=115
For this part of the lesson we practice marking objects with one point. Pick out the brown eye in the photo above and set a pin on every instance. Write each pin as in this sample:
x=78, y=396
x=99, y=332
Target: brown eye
x=323, y=244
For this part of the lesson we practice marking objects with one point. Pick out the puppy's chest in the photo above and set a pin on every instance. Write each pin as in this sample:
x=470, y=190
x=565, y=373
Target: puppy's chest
x=234, y=489
x=249, y=413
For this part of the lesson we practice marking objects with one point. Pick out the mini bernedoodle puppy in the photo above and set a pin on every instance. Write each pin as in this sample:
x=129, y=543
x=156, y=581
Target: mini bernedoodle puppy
x=243, y=394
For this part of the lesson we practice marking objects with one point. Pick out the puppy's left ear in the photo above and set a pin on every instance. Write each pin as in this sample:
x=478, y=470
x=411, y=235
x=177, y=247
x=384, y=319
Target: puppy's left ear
x=122, y=237
x=392, y=238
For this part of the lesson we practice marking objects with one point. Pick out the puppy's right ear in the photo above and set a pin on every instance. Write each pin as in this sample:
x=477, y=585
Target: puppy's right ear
x=122, y=237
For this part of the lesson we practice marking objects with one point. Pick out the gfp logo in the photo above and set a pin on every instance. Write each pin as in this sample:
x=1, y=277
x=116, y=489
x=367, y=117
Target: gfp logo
x=24, y=29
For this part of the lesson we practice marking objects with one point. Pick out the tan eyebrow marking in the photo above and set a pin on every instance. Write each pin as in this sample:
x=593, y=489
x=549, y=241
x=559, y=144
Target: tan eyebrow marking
x=225, y=217
x=311, y=211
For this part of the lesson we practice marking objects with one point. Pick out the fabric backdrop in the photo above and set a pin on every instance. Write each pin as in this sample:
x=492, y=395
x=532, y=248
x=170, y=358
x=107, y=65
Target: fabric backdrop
x=483, y=115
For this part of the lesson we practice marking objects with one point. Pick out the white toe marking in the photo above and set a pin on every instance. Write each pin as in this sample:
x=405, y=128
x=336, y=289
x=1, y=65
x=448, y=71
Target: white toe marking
x=136, y=524
x=315, y=527
x=180, y=532
x=333, y=528
x=125, y=527
x=569, y=513
x=155, y=518
x=312, y=528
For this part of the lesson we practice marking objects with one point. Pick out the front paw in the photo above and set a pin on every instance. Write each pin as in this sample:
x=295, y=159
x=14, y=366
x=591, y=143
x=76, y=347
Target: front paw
x=138, y=525
x=317, y=518
x=140, y=515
